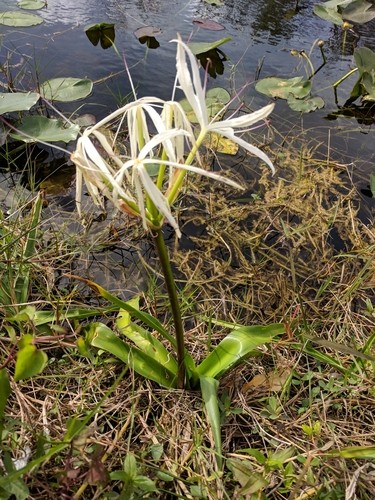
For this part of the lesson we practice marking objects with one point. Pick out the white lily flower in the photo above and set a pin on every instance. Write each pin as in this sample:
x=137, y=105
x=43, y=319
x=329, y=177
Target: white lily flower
x=190, y=83
x=125, y=179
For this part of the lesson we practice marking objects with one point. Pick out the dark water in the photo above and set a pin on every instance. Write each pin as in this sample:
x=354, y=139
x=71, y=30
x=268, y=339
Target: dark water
x=263, y=33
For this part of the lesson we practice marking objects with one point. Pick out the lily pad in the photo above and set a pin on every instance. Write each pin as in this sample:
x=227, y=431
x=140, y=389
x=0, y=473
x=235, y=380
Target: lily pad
x=215, y=2
x=216, y=99
x=306, y=105
x=372, y=184
x=32, y=4
x=284, y=87
x=147, y=31
x=359, y=12
x=18, y=101
x=66, y=89
x=200, y=47
x=19, y=19
x=328, y=14
x=41, y=128
x=102, y=32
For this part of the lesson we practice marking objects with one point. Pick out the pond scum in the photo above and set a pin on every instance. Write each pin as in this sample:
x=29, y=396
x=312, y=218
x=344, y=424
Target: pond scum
x=297, y=418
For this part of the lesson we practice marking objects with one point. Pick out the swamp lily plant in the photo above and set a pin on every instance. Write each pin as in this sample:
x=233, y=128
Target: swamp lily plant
x=145, y=180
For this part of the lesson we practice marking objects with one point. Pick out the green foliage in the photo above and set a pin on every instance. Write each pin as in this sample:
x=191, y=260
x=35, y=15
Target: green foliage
x=31, y=4
x=365, y=85
x=102, y=32
x=30, y=360
x=17, y=101
x=66, y=89
x=339, y=11
x=19, y=19
x=41, y=128
x=201, y=47
x=133, y=483
x=296, y=91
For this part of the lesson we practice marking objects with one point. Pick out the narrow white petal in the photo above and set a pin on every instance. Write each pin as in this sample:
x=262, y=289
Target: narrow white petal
x=243, y=121
x=249, y=147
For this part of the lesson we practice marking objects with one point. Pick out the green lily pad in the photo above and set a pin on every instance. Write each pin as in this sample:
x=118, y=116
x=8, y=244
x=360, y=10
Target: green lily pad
x=41, y=128
x=32, y=4
x=103, y=32
x=359, y=12
x=18, y=101
x=328, y=14
x=19, y=19
x=372, y=184
x=66, y=89
x=200, y=47
x=216, y=99
x=284, y=87
x=306, y=105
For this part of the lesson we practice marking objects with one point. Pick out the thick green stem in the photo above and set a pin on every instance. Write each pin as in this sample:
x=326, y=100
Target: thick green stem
x=175, y=306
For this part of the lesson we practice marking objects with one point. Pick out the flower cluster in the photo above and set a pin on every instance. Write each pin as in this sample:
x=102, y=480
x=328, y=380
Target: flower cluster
x=146, y=180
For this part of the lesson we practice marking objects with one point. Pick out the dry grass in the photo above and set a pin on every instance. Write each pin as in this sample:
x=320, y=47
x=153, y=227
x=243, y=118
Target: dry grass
x=296, y=252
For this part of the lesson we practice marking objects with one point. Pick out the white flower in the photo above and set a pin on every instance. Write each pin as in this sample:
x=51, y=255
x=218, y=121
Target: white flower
x=125, y=179
x=190, y=83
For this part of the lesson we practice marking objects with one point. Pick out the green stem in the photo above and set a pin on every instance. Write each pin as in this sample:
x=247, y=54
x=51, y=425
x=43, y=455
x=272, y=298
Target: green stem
x=175, y=306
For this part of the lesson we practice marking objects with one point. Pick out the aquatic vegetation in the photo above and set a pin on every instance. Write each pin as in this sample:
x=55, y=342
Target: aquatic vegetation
x=341, y=11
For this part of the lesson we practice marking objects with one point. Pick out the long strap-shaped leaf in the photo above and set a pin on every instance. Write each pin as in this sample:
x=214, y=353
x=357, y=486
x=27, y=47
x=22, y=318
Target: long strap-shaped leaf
x=235, y=347
x=99, y=335
x=145, y=341
x=209, y=388
x=145, y=318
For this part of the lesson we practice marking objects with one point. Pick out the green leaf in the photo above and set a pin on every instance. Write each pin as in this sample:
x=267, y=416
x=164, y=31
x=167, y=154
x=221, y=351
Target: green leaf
x=237, y=346
x=17, y=101
x=372, y=184
x=41, y=128
x=201, y=47
x=66, y=89
x=145, y=484
x=358, y=452
x=145, y=341
x=19, y=19
x=216, y=99
x=103, y=32
x=209, y=388
x=305, y=105
x=30, y=361
x=215, y=2
x=365, y=60
x=272, y=86
x=328, y=13
x=104, y=338
x=130, y=466
x=5, y=391
x=32, y=4
x=358, y=12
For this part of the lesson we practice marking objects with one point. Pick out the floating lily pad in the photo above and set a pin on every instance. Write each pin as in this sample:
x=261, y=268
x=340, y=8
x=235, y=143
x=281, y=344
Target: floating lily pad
x=338, y=11
x=208, y=24
x=66, y=89
x=147, y=31
x=220, y=144
x=358, y=11
x=41, y=128
x=306, y=105
x=215, y=2
x=216, y=99
x=200, y=47
x=19, y=19
x=32, y=4
x=372, y=184
x=18, y=101
x=103, y=32
x=284, y=87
